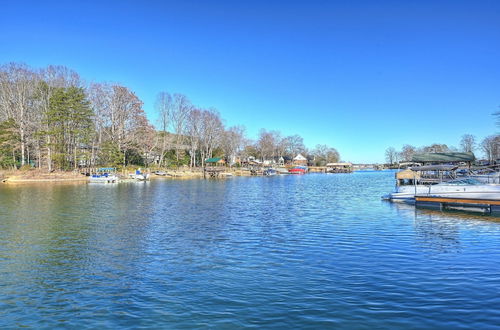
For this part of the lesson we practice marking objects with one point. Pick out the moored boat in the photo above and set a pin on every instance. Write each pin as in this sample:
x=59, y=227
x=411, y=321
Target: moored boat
x=160, y=173
x=298, y=170
x=139, y=176
x=440, y=180
x=104, y=175
x=270, y=172
x=282, y=170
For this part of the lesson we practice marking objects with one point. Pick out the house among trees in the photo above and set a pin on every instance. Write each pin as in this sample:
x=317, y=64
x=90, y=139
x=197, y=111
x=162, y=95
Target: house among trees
x=299, y=160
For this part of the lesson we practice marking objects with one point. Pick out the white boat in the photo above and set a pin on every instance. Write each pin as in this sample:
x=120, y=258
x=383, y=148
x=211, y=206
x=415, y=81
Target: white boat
x=458, y=188
x=438, y=180
x=270, y=172
x=104, y=175
x=282, y=170
x=160, y=173
x=139, y=176
x=103, y=179
x=484, y=175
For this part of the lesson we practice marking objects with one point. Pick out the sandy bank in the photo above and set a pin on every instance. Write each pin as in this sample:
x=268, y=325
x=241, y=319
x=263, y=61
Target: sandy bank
x=34, y=176
x=40, y=176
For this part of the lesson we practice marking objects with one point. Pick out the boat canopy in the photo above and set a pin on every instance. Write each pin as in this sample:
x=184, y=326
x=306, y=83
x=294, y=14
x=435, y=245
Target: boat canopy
x=408, y=175
x=106, y=169
x=434, y=168
x=443, y=157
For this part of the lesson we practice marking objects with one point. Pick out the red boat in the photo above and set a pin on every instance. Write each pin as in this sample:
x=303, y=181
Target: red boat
x=298, y=170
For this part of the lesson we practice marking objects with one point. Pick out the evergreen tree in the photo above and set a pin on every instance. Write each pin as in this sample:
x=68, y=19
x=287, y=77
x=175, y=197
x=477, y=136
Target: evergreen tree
x=69, y=122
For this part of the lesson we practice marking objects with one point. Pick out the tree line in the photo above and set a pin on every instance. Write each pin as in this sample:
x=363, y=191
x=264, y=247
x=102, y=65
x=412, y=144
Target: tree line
x=52, y=119
x=489, y=146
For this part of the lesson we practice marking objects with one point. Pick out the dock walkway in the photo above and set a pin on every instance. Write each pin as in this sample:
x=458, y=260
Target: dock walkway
x=483, y=205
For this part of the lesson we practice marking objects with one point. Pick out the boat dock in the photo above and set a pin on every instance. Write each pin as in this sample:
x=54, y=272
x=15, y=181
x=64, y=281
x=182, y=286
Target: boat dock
x=482, y=205
x=212, y=171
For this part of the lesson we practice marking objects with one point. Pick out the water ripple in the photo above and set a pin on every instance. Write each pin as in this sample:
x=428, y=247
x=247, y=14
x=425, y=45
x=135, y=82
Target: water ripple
x=289, y=251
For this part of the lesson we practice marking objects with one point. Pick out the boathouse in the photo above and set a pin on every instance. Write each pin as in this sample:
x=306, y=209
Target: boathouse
x=216, y=161
x=430, y=158
x=339, y=167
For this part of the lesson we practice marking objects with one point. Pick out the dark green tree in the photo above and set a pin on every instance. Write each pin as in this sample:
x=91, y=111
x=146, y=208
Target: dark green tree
x=69, y=123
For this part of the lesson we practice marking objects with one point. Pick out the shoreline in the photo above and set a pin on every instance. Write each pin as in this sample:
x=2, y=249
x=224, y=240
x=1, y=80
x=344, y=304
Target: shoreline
x=36, y=176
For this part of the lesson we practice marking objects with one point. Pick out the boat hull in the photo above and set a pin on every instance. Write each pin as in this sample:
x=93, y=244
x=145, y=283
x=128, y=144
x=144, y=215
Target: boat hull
x=407, y=193
x=104, y=179
x=298, y=170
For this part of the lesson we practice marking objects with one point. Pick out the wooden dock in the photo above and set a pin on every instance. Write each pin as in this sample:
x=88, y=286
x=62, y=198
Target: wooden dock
x=213, y=172
x=482, y=205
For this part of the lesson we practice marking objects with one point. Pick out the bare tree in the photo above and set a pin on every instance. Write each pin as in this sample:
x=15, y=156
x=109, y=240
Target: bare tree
x=332, y=155
x=294, y=145
x=178, y=118
x=468, y=143
x=391, y=155
x=16, y=98
x=194, y=132
x=100, y=96
x=164, y=106
x=232, y=142
x=435, y=148
x=324, y=154
x=266, y=144
x=211, y=133
x=491, y=147
x=124, y=116
x=407, y=152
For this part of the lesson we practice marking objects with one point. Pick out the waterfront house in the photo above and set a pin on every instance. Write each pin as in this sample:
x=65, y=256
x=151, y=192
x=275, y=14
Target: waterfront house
x=299, y=160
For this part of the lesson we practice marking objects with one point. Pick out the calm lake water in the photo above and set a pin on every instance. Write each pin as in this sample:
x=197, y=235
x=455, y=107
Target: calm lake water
x=313, y=251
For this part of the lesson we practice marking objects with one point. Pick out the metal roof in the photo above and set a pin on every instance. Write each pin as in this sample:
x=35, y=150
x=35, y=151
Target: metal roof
x=434, y=168
x=213, y=160
x=443, y=157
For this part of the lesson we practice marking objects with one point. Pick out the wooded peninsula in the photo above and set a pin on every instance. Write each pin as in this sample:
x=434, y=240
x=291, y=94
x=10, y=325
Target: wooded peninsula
x=51, y=119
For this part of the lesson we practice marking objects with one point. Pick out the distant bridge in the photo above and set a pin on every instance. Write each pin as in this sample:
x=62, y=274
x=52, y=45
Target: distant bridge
x=368, y=166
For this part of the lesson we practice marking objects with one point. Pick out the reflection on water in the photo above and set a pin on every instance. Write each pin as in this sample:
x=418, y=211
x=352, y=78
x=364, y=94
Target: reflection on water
x=436, y=231
x=440, y=230
x=286, y=251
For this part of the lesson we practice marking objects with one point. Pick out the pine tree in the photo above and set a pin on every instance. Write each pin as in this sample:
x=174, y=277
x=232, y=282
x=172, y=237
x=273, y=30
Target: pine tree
x=69, y=122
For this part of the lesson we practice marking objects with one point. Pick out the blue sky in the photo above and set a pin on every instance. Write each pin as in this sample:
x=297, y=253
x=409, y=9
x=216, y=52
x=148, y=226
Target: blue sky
x=357, y=75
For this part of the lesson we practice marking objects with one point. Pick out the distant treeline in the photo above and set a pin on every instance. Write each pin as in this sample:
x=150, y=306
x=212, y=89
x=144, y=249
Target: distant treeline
x=51, y=118
x=490, y=147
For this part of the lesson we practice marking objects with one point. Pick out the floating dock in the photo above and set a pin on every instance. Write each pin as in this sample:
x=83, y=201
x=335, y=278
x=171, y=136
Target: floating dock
x=482, y=205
